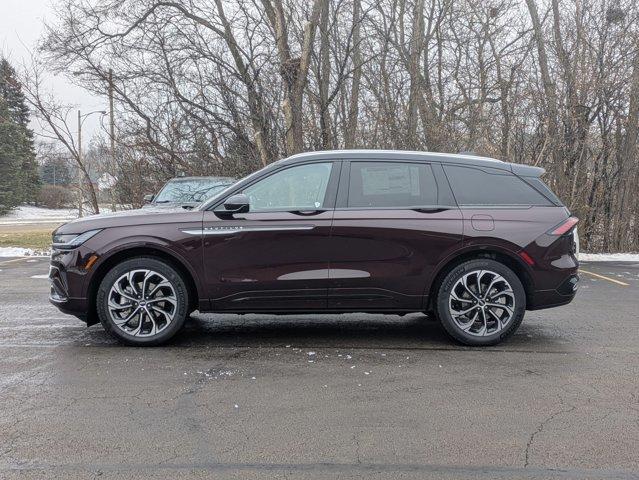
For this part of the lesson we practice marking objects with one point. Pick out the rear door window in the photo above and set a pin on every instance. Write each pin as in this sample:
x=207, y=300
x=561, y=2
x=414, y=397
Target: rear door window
x=391, y=185
x=472, y=186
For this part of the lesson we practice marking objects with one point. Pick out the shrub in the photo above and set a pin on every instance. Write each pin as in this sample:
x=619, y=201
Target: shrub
x=54, y=196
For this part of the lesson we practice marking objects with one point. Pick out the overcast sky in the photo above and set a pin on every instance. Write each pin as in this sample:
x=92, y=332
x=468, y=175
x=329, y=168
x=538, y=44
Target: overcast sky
x=21, y=24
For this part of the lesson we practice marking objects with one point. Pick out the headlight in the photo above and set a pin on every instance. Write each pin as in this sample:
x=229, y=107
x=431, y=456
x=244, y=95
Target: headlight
x=73, y=240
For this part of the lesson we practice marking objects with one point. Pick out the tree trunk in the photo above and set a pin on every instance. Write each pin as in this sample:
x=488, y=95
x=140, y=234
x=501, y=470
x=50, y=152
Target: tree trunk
x=548, y=84
x=353, y=106
x=416, y=45
x=324, y=79
x=294, y=71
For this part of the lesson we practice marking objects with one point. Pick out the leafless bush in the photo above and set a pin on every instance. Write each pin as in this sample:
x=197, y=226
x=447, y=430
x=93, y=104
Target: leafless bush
x=54, y=196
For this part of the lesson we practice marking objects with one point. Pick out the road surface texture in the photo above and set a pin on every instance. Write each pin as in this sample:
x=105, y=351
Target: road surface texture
x=351, y=396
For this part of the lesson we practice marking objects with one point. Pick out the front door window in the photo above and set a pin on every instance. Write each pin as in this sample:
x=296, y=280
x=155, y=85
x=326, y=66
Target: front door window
x=296, y=188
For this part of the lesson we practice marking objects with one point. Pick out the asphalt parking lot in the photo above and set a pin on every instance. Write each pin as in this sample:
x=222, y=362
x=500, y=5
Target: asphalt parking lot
x=353, y=396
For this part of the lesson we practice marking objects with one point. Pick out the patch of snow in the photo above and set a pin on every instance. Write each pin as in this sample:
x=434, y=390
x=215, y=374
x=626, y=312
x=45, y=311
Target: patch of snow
x=40, y=276
x=22, y=252
x=29, y=213
x=609, y=257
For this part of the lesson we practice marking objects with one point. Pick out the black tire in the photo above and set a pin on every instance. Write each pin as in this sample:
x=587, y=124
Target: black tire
x=170, y=274
x=444, y=315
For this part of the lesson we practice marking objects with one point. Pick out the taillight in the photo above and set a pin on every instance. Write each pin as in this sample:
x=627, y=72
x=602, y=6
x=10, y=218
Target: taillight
x=564, y=227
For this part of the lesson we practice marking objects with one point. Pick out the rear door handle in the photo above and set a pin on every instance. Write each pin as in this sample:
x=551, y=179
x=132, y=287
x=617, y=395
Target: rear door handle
x=431, y=209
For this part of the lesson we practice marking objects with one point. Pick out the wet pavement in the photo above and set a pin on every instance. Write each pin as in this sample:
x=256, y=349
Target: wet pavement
x=333, y=396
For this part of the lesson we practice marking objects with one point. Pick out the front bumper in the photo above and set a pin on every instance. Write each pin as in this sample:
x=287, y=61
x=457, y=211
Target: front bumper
x=67, y=282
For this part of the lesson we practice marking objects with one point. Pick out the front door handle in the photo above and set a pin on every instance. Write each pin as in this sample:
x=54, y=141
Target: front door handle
x=307, y=213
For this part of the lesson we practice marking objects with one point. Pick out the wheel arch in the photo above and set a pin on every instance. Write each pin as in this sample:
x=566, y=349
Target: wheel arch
x=509, y=259
x=137, y=250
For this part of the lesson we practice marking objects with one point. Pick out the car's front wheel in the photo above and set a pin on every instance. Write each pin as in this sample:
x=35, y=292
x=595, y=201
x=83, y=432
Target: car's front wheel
x=481, y=302
x=142, y=301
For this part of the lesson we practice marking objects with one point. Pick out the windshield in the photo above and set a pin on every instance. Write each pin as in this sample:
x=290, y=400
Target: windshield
x=191, y=191
x=244, y=180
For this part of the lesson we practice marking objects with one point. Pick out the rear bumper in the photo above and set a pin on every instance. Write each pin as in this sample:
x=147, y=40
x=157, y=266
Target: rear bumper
x=561, y=295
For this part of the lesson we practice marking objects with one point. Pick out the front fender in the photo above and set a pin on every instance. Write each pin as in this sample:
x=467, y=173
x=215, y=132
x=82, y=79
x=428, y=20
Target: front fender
x=182, y=248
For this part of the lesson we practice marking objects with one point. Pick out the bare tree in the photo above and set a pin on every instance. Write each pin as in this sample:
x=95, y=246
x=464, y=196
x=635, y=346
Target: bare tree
x=55, y=119
x=225, y=87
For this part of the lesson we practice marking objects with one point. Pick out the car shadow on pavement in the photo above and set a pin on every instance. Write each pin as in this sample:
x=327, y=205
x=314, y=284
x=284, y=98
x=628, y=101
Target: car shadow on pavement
x=414, y=331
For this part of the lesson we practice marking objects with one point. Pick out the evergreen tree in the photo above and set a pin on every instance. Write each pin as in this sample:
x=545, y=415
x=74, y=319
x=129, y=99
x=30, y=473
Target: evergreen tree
x=17, y=112
x=55, y=171
x=12, y=143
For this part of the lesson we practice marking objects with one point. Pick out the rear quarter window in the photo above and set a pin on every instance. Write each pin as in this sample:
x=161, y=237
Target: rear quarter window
x=473, y=186
x=539, y=185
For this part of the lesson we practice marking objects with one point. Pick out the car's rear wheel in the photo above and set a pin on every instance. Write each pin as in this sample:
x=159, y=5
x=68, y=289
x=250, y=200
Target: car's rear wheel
x=481, y=302
x=142, y=301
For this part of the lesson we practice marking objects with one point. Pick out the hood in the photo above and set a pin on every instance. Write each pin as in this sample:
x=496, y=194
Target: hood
x=142, y=216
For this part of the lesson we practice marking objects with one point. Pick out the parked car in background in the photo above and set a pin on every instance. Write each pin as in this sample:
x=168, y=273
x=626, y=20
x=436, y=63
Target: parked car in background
x=188, y=192
x=474, y=240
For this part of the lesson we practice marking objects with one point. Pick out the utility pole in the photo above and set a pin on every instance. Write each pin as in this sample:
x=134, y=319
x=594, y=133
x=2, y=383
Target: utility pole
x=111, y=116
x=112, y=131
x=79, y=164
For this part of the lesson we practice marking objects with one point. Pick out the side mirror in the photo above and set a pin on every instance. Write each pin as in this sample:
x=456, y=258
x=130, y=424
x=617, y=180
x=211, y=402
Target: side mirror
x=239, y=203
x=148, y=198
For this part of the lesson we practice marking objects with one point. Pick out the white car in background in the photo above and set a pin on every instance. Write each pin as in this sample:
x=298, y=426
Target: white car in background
x=188, y=192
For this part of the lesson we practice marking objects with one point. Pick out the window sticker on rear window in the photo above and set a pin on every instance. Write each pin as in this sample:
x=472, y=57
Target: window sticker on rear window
x=397, y=179
x=391, y=185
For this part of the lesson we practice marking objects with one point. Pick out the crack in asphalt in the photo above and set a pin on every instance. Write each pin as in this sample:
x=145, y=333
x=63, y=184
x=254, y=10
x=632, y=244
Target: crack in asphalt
x=540, y=428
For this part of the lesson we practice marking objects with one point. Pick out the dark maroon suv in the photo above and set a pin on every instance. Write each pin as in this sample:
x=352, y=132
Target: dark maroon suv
x=475, y=241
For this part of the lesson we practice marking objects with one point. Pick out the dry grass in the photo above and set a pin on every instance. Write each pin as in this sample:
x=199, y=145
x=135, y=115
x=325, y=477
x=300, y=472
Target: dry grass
x=37, y=239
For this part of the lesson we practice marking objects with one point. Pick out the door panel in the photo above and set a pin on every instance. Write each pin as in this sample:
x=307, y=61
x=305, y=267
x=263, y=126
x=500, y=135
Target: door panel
x=385, y=259
x=394, y=224
x=275, y=257
x=267, y=260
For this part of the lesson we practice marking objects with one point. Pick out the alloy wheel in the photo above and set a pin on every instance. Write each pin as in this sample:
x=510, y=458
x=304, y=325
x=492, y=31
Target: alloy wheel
x=142, y=303
x=482, y=303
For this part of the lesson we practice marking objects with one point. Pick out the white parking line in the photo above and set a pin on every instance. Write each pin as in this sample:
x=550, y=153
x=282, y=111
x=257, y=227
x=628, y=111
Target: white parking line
x=13, y=260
